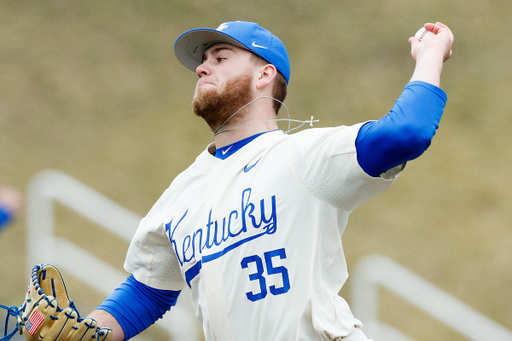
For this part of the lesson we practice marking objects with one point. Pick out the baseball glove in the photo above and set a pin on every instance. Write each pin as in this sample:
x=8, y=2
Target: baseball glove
x=49, y=314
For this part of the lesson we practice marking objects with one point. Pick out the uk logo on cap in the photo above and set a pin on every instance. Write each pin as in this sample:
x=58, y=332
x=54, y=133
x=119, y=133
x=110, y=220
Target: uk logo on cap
x=222, y=27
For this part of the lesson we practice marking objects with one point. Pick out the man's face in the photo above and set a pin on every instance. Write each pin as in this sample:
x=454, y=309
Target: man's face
x=225, y=84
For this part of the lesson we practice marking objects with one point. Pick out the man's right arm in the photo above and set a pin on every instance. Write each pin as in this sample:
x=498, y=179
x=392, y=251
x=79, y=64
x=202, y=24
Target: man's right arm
x=406, y=132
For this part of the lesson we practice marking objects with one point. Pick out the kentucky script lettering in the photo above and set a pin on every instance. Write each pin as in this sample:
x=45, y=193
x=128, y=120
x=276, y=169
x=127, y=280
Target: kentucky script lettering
x=237, y=228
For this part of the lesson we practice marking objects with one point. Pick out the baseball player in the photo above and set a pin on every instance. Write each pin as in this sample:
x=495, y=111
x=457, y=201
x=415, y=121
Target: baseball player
x=10, y=204
x=254, y=226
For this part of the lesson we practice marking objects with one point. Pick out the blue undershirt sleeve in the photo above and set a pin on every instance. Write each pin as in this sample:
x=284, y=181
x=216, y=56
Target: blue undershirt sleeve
x=404, y=133
x=137, y=306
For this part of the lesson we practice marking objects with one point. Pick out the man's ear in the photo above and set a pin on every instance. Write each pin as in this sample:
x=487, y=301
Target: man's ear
x=266, y=75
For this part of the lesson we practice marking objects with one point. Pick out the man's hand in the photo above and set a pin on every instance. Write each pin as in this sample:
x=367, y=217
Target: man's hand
x=441, y=44
x=431, y=55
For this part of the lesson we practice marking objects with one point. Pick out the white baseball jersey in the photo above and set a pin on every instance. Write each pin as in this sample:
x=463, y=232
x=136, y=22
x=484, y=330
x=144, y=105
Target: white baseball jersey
x=257, y=236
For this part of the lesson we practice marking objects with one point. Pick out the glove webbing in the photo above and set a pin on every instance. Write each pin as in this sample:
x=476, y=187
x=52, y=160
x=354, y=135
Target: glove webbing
x=11, y=311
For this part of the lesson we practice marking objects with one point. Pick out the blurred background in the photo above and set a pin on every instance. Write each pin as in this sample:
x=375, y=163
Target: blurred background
x=93, y=89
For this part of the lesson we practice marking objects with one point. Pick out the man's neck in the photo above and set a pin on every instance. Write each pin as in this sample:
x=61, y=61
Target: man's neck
x=231, y=136
x=257, y=119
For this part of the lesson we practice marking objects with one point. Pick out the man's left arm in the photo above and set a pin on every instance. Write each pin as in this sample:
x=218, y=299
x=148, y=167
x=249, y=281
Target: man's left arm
x=133, y=307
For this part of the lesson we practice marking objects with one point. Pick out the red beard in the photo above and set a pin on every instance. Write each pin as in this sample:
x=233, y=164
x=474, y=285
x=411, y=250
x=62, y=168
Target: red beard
x=216, y=107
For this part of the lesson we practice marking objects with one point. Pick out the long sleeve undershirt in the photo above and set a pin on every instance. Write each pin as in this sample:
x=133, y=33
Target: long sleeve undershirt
x=404, y=133
x=136, y=306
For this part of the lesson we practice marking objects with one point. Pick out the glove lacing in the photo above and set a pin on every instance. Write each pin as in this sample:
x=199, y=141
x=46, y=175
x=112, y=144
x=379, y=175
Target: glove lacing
x=11, y=311
x=18, y=311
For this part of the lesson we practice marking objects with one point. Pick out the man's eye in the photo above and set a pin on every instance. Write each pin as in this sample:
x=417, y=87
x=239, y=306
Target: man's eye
x=220, y=59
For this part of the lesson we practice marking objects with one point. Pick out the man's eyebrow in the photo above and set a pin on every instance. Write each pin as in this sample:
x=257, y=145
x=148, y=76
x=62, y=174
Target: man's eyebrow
x=217, y=49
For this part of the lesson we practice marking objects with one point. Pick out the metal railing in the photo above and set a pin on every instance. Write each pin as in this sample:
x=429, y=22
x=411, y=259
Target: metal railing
x=44, y=246
x=375, y=270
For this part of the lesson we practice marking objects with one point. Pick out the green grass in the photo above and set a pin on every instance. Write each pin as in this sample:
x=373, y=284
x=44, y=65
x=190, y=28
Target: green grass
x=93, y=89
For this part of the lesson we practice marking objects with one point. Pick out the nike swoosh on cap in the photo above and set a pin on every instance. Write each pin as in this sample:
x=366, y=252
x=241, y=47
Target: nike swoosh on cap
x=261, y=47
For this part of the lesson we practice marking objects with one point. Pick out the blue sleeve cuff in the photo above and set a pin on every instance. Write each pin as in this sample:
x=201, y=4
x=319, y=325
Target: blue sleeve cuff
x=435, y=89
x=137, y=306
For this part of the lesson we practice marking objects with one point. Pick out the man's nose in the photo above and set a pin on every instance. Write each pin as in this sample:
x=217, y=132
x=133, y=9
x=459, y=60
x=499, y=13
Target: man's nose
x=202, y=70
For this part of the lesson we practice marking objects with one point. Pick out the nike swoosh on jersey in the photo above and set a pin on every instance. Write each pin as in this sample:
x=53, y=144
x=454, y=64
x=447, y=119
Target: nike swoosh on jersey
x=248, y=168
x=225, y=151
x=261, y=47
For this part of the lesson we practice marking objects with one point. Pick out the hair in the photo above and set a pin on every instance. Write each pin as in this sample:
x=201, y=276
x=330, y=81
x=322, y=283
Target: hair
x=280, y=87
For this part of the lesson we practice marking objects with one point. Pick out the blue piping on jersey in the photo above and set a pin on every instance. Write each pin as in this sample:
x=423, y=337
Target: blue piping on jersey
x=191, y=273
